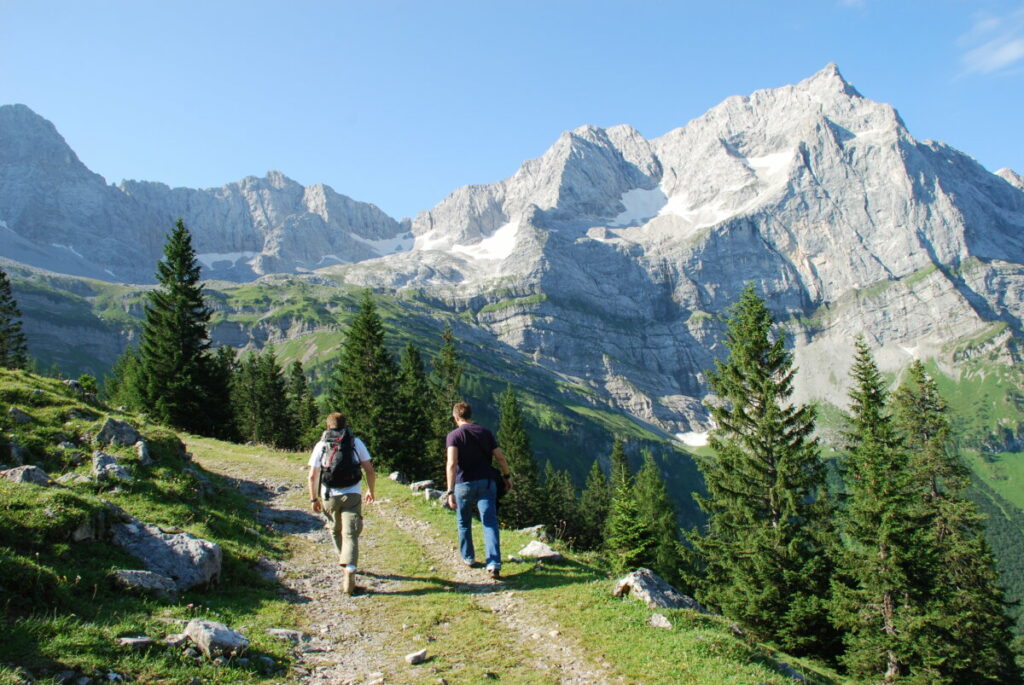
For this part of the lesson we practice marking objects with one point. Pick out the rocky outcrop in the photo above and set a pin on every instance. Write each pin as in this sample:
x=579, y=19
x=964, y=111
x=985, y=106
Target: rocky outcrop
x=144, y=582
x=652, y=590
x=190, y=562
x=118, y=433
x=216, y=639
x=27, y=474
x=106, y=469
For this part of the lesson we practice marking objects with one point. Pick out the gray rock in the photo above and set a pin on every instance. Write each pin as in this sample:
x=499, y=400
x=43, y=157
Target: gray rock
x=432, y=494
x=139, y=643
x=27, y=474
x=13, y=453
x=176, y=639
x=18, y=416
x=105, y=468
x=540, y=531
x=216, y=639
x=421, y=485
x=294, y=636
x=790, y=672
x=185, y=559
x=82, y=415
x=539, y=550
x=85, y=531
x=652, y=590
x=73, y=385
x=142, y=449
x=117, y=432
x=144, y=582
x=417, y=657
x=73, y=478
x=660, y=621
x=398, y=478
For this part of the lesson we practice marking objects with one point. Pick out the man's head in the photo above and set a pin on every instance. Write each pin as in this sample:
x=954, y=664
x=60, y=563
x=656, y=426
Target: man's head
x=462, y=412
x=336, y=421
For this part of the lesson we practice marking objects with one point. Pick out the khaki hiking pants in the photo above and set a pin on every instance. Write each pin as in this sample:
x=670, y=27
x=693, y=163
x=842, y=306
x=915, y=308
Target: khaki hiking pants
x=345, y=515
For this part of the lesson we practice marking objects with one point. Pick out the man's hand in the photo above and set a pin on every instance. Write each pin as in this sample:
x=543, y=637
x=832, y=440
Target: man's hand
x=369, y=498
x=316, y=506
x=451, y=502
x=508, y=483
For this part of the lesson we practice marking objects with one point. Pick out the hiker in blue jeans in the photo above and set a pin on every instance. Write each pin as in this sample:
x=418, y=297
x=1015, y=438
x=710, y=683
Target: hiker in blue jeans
x=472, y=485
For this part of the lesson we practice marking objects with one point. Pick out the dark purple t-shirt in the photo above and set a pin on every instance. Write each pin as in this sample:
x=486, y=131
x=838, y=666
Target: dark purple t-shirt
x=475, y=444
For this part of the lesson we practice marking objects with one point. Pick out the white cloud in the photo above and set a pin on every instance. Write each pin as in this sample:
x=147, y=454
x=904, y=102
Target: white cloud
x=993, y=43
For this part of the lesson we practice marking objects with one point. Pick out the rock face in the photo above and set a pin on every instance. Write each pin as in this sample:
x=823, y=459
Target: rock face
x=609, y=260
x=58, y=215
x=187, y=560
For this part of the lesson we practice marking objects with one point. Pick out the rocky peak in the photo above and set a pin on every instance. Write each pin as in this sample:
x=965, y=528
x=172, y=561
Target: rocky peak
x=1011, y=177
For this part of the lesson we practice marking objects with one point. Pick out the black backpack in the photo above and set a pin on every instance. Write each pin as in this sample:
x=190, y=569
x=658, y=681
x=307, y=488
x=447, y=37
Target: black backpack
x=339, y=464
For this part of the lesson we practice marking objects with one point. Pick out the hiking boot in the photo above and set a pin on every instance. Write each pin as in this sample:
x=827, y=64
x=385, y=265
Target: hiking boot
x=348, y=582
x=472, y=564
x=494, y=573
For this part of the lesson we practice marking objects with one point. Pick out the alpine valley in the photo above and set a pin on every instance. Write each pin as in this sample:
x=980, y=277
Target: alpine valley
x=596, y=278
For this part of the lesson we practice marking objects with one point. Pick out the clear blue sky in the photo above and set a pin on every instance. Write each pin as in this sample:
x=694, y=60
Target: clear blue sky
x=400, y=102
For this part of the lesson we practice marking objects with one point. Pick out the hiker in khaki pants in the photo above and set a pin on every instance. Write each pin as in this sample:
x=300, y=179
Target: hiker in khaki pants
x=336, y=467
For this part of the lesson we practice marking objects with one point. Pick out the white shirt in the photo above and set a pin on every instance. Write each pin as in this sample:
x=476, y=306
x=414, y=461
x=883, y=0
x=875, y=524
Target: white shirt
x=361, y=453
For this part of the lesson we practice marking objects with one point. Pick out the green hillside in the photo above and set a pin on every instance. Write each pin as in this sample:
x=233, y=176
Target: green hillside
x=62, y=619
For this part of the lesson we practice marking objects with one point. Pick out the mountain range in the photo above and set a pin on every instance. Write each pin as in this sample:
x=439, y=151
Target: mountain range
x=609, y=261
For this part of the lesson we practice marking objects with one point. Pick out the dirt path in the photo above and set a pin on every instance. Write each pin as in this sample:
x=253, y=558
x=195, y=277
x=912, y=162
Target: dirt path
x=341, y=646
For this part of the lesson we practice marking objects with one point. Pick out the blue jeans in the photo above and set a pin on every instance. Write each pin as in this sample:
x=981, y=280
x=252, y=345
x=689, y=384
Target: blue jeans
x=482, y=494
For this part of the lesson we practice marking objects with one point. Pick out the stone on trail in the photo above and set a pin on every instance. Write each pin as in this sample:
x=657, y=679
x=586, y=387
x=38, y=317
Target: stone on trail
x=27, y=474
x=119, y=433
x=653, y=591
x=538, y=550
x=216, y=639
x=417, y=657
x=421, y=485
x=288, y=635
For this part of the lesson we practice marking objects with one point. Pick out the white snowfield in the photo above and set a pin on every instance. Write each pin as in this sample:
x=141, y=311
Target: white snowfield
x=402, y=243
x=693, y=439
x=498, y=245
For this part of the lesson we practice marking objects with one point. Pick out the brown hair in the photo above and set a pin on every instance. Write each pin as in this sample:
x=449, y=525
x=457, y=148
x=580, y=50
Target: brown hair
x=463, y=411
x=336, y=421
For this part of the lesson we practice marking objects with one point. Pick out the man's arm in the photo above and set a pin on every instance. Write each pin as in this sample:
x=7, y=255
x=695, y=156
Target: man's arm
x=449, y=472
x=499, y=456
x=371, y=479
x=314, y=485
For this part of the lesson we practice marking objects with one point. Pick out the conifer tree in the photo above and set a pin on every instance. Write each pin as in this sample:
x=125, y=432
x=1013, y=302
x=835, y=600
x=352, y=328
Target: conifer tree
x=261, y=400
x=558, y=497
x=620, y=477
x=415, y=458
x=765, y=550
x=882, y=588
x=968, y=634
x=628, y=536
x=13, y=344
x=219, y=418
x=655, y=505
x=124, y=387
x=302, y=410
x=364, y=386
x=594, y=503
x=445, y=383
x=520, y=507
x=174, y=365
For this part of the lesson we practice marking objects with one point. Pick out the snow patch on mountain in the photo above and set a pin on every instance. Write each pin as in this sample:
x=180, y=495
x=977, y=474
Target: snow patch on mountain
x=65, y=247
x=211, y=259
x=641, y=205
x=498, y=245
x=401, y=243
x=693, y=439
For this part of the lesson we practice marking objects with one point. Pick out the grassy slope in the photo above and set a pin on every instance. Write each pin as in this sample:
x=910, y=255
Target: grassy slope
x=59, y=613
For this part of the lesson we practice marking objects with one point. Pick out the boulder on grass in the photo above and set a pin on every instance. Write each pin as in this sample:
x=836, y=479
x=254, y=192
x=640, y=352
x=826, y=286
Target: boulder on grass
x=27, y=474
x=120, y=433
x=187, y=560
x=398, y=478
x=144, y=582
x=216, y=639
x=105, y=468
x=18, y=416
x=653, y=591
x=421, y=485
x=538, y=550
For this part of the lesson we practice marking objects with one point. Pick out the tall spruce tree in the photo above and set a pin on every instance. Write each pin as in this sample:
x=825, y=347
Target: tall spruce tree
x=219, y=419
x=656, y=506
x=302, y=410
x=364, y=386
x=766, y=547
x=13, y=344
x=445, y=382
x=967, y=638
x=124, y=385
x=174, y=365
x=882, y=589
x=594, y=503
x=560, y=509
x=628, y=535
x=519, y=507
x=260, y=401
x=415, y=456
